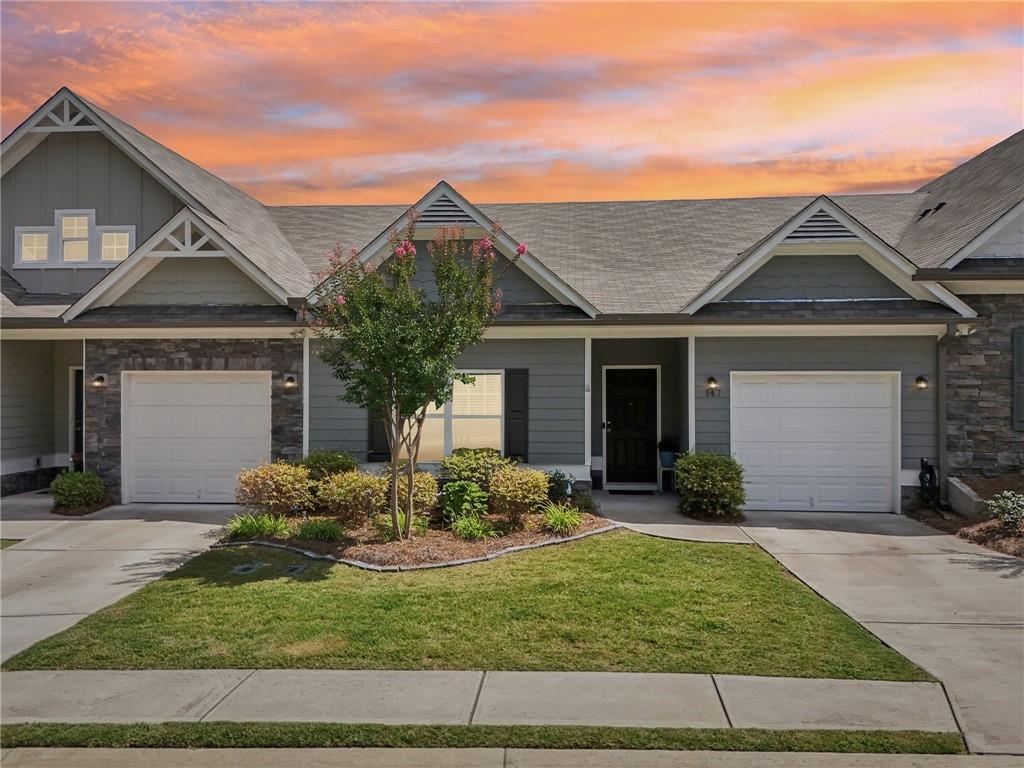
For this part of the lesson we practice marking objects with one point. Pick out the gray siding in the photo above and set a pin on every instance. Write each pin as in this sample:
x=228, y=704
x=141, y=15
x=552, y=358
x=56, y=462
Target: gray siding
x=516, y=287
x=210, y=280
x=85, y=171
x=65, y=355
x=556, y=399
x=912, y=355
x=788, y=276
x=670, y=354
x=26, y=403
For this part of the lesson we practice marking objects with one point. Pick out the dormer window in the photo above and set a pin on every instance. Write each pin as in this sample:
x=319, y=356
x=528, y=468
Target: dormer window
x=74, y=241
x=74, y=234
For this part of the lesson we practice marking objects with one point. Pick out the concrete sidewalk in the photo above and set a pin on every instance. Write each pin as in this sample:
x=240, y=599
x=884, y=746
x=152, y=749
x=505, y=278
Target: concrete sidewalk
x=477, y=758
x=466, y=698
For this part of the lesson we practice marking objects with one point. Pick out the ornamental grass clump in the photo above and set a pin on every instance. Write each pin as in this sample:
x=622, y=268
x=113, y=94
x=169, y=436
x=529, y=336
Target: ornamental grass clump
x=277, y=489
x=561, y=519
x=320, y=530
x=352, y=497
x=257, y=526
x=74, y=490
x=518, y=492
x=709, y=485
x=473, y=528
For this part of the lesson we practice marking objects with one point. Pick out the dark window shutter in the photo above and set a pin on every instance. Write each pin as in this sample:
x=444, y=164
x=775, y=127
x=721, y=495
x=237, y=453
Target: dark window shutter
x=517, y=412
x=377, y=440
x=1018, y=379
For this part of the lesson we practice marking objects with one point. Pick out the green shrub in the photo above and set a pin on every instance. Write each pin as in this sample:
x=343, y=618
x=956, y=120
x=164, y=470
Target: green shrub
x=424, y=492
x=709, y=485
x=473, y=528
x=320, y=530
x=463, y=498
x=561, y=519
x=257, y=526
x=382, y=523
x=77, y=489
x=352, y=496
x=516, y=492
x=474, y=464
x=322, y=463
x=278, y=489
x=1008, y=508
x=559, y=485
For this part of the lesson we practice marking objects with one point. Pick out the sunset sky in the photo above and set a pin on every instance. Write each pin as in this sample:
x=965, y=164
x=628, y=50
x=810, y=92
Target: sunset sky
x=373, y=103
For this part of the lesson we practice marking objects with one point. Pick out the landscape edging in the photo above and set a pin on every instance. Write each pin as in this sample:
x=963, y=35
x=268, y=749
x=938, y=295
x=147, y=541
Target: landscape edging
x=422, y=566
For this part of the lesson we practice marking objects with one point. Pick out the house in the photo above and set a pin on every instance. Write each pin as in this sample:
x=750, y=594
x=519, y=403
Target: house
x=152, y=331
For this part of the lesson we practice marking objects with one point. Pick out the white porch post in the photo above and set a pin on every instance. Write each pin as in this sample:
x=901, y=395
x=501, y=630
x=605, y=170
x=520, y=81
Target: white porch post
x=305, y=393
x=587, y=404
x=691, y=392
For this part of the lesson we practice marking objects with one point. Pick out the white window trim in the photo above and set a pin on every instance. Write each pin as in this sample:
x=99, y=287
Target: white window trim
x=447, y=416
x=55, y=242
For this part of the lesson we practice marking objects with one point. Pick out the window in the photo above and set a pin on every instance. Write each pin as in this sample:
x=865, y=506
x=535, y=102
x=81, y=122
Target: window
x=472, y=419
x=35, y=246
x=74, y=234
x=114, y=246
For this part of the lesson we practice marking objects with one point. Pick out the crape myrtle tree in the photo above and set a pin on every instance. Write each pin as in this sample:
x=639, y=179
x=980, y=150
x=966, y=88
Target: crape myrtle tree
x=394, y=345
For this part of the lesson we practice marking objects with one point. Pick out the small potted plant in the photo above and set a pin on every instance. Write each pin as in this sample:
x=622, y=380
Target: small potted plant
x=668, y=450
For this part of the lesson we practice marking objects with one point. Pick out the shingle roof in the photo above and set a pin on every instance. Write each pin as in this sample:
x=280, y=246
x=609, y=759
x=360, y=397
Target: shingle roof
x=240, y=219
x=975, y=194
x=624, y=257
x=17, y=303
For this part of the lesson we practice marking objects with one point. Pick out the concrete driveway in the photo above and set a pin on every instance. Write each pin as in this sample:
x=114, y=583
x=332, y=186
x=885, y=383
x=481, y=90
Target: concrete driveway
x=955, y=609
x=65, y=568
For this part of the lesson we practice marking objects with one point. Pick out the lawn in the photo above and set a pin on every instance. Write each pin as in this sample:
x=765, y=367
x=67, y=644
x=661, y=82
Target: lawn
x=620, y=601
x=5, y=543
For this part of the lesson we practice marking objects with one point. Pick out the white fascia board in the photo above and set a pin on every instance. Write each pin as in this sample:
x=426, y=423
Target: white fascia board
x=889, y=261
x=711, y=331
x=528, y=263
x=983, y=237
x=130, y=271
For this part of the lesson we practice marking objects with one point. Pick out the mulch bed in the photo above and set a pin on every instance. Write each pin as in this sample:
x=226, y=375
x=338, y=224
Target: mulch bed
x=81, y=511
x=366, y=544
x=987, y=487
x=981, y=529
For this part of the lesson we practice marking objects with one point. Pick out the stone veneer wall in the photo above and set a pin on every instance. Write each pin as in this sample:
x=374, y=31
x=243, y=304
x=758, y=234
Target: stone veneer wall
x=102, y=438
x=980, y=439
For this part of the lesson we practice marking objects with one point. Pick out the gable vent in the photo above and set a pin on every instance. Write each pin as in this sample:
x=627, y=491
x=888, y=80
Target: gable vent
x=820, y=226
x=445, y=211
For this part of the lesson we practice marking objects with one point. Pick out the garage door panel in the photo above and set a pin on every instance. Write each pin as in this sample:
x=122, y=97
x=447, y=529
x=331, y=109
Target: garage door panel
x=190, y=434
x=813, y=441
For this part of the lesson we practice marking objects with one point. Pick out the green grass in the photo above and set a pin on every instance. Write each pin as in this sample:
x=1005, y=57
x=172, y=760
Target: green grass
x=618, y=602
x=5, y=543
x=227, y=735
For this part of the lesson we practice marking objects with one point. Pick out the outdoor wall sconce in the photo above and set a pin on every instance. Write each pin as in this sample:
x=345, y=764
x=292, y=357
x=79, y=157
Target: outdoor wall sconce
x=291, y=381
x=921, y=382
x=99, y=381
x=711, y=388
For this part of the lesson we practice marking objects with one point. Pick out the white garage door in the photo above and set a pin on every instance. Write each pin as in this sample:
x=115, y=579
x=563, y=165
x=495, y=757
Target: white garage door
x=816, y=441
x=188, y=435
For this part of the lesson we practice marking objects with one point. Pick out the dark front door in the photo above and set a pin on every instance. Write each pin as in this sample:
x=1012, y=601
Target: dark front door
x=631, y=429
x=76, y=420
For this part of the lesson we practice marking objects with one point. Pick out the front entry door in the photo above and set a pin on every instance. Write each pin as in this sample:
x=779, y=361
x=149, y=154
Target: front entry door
x=631, y=426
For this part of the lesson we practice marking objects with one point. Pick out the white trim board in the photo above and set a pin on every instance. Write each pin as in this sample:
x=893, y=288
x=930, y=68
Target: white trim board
x=894, y=376
x=656, y=485
x=891, y=262
x=204, y=332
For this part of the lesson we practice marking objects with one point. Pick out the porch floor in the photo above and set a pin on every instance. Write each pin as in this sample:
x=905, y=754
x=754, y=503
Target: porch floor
x=656, y=514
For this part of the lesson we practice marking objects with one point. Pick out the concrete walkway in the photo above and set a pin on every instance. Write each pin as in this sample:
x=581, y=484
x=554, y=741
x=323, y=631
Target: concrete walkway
x=65, y=568
x=954, y=608
x=476, y=758
x=473, y=698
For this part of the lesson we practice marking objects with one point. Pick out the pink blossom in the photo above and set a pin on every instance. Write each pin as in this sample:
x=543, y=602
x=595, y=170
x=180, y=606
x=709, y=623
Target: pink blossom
x=341, y=301
x=485, y=244
x=521, y=249
x=400, y=252
x=411, y=250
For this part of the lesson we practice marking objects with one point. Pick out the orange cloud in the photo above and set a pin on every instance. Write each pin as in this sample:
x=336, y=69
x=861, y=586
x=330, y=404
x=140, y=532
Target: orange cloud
x=325, y=102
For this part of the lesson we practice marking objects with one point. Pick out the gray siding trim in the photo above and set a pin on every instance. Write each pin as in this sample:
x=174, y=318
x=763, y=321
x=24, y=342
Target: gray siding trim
x=78, y=171
x=66, y=354
x=195, y=280
x=26, y=403
x=808, y=276
x=556, y=398
x=516, y=287
x=670, y=354
x=913, y=356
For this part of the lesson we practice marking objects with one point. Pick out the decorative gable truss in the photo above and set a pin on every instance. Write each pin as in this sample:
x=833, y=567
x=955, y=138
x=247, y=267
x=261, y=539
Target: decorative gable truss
x=186, y=235
x=64, y=117
x=443, y=206
x=824, y=227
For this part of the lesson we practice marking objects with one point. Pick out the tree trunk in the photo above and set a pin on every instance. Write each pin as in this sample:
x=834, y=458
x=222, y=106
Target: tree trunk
x=395, y=445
